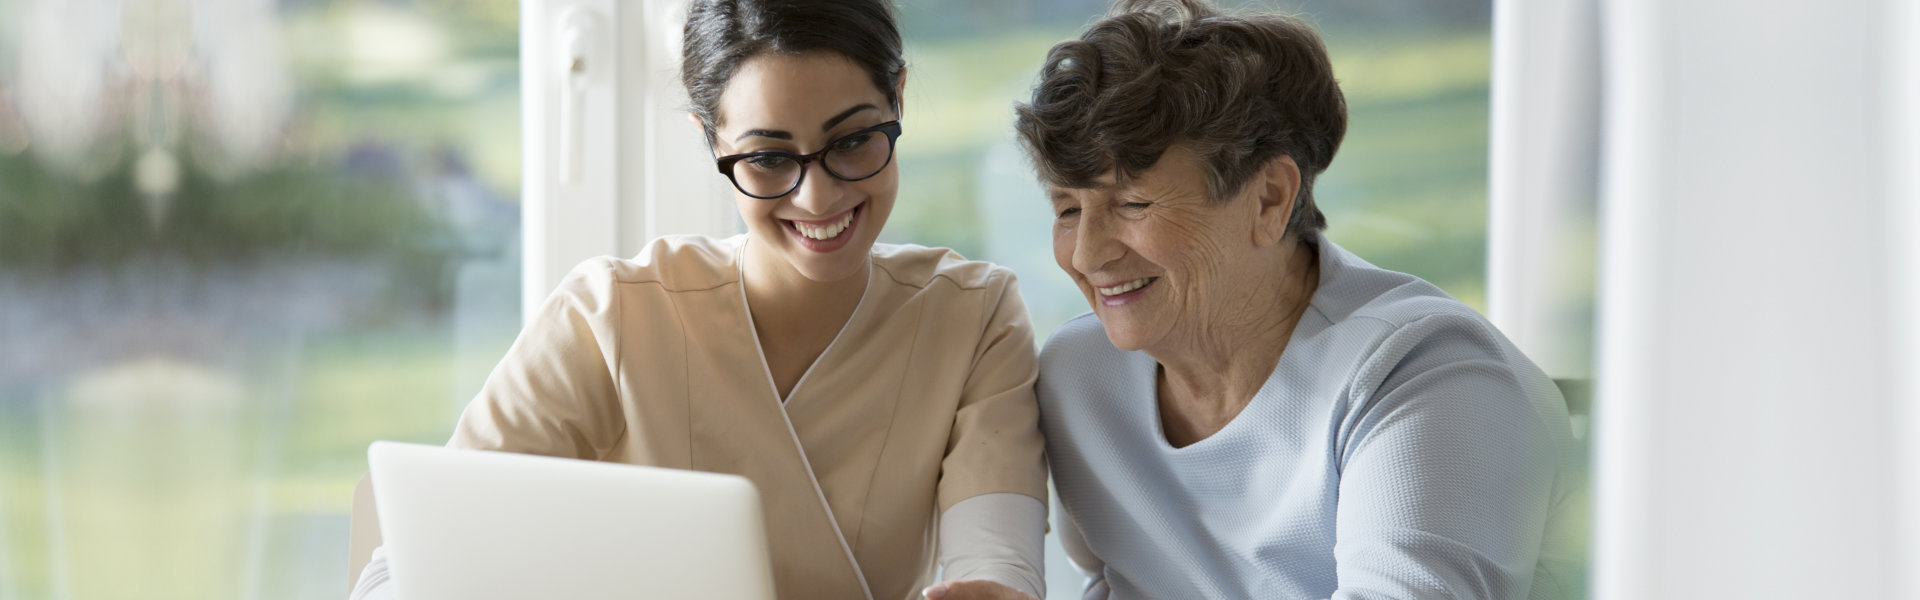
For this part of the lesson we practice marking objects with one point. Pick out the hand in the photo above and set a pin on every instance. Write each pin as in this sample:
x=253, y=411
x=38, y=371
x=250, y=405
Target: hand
x=974, y=589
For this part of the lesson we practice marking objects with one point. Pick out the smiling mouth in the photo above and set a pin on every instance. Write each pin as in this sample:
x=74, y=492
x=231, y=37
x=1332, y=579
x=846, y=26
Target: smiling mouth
x=825, y=235
x=823, y=230
x=1115, y=290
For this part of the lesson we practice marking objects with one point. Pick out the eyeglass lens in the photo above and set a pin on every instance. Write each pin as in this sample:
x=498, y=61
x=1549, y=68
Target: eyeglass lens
x=850, y=158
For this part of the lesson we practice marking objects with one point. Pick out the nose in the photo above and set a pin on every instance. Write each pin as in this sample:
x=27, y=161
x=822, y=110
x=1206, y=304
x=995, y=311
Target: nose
x=1094, y=245
x=819, y=191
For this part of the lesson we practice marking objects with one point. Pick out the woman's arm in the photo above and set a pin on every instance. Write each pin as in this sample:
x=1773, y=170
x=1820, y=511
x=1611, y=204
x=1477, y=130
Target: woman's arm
x=996, y=537
x=554, y=393
x=993, y=476
x=1448, y=475
x=994, y=444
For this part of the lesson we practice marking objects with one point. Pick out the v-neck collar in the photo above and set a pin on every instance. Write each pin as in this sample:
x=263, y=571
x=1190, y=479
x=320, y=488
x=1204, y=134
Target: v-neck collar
x=740, y=269
x=819, y=493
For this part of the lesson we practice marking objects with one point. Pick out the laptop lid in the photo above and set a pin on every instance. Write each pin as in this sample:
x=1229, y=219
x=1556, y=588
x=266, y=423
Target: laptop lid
x=467, y=524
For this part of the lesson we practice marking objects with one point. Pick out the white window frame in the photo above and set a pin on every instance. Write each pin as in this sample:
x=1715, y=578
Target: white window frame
x=629, y=166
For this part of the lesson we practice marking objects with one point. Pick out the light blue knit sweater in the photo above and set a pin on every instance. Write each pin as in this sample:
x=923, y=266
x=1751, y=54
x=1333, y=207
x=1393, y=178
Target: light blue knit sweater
x=1402, y=448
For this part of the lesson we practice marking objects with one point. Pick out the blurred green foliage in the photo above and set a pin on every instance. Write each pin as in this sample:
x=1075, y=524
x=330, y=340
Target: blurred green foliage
x=48, y=221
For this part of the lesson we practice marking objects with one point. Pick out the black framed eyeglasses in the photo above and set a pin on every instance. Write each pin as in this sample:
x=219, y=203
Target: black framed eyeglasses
x=851, y=157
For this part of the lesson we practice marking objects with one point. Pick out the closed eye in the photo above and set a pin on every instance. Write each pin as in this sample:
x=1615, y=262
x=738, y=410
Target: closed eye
x=1068, y=212
x=769, y=162
x=851, y=143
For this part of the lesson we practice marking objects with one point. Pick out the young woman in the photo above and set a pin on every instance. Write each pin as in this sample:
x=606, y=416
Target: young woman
x=868, y=390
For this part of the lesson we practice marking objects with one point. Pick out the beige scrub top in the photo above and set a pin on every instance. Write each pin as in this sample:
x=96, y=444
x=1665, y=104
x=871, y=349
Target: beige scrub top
x=923, y=400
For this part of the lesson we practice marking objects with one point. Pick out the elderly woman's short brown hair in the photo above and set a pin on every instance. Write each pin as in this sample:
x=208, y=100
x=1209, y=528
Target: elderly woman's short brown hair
x=1239, y=90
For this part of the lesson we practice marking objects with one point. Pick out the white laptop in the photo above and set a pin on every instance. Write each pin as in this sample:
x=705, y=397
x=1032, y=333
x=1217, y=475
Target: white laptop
x=469, y=524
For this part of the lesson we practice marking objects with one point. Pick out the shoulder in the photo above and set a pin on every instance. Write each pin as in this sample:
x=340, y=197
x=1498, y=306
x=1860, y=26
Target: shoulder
x=1420, y=326
x=670, y=263
x=1410, y=346
x=921, y=267
x=1079, y=360
x=1397, y=338
x=1079, y=337
x=1394, y=314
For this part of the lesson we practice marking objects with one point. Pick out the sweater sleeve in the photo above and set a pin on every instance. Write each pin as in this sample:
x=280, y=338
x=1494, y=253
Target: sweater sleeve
x=1078, y=552
x=1446, y=474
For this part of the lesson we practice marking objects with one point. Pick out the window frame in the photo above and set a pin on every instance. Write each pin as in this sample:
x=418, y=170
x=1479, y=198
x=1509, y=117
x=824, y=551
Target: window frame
x=617, y=65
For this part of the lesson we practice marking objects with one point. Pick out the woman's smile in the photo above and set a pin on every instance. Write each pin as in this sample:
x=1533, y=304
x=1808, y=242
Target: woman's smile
x=825, y=235
x=1125, y=291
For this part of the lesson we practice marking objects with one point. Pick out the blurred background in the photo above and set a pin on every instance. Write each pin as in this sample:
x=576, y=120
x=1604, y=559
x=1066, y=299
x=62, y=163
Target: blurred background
x=240, y=239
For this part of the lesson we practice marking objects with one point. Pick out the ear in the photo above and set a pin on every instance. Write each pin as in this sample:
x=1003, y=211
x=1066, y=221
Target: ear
x=1277, y=185
x=700, y=130
x=900, y=91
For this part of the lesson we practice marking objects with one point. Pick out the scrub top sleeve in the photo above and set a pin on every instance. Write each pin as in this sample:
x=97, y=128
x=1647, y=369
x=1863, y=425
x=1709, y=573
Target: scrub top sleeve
x=554, y=394
x=1446, y=487
x=995, y=443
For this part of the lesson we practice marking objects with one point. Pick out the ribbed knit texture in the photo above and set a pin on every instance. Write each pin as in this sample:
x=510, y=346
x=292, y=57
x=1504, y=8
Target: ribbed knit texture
x=1402, y=448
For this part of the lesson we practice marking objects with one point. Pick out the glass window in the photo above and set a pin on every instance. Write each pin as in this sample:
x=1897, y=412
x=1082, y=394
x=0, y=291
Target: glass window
x=235, y=246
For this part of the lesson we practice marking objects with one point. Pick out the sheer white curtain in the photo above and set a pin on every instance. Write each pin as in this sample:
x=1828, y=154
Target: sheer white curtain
x=1759, y=293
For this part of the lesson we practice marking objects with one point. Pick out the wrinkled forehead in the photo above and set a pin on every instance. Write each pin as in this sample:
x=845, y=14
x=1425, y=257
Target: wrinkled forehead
x=1178, y=170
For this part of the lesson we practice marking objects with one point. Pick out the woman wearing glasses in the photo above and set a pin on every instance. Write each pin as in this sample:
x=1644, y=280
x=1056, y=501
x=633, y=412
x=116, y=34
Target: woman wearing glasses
x=864, y=388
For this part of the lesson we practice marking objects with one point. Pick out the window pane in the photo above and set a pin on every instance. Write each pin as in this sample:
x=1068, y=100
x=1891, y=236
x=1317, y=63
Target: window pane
x=238, y=242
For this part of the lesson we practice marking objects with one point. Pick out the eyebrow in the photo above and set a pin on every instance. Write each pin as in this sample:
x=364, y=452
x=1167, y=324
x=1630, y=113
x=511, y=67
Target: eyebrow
x=782, y=135
x=1098, y=187
x=845, y=114
x=770, y=133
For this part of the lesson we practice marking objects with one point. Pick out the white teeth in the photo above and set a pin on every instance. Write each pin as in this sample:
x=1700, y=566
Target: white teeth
x=824, y=232
x=1123, y=288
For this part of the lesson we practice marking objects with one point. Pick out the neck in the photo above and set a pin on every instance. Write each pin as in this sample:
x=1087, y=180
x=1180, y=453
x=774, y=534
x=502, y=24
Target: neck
x=1210, y=375
x=781, y=298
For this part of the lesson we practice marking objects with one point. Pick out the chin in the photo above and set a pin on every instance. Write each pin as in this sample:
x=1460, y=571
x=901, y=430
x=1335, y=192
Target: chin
x=844, y=263
x=1123, y=337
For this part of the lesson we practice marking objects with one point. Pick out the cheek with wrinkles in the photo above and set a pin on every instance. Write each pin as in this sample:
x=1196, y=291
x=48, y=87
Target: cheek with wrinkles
x=1191, y=248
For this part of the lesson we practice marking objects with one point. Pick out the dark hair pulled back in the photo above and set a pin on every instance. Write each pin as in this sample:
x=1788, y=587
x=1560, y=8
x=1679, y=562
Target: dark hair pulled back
x=722, y=34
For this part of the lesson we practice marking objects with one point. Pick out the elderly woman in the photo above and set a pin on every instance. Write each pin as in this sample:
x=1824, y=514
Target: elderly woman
x=1251, y=411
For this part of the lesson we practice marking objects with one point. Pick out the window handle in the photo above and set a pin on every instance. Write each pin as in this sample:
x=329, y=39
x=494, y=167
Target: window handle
x=579, y=64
